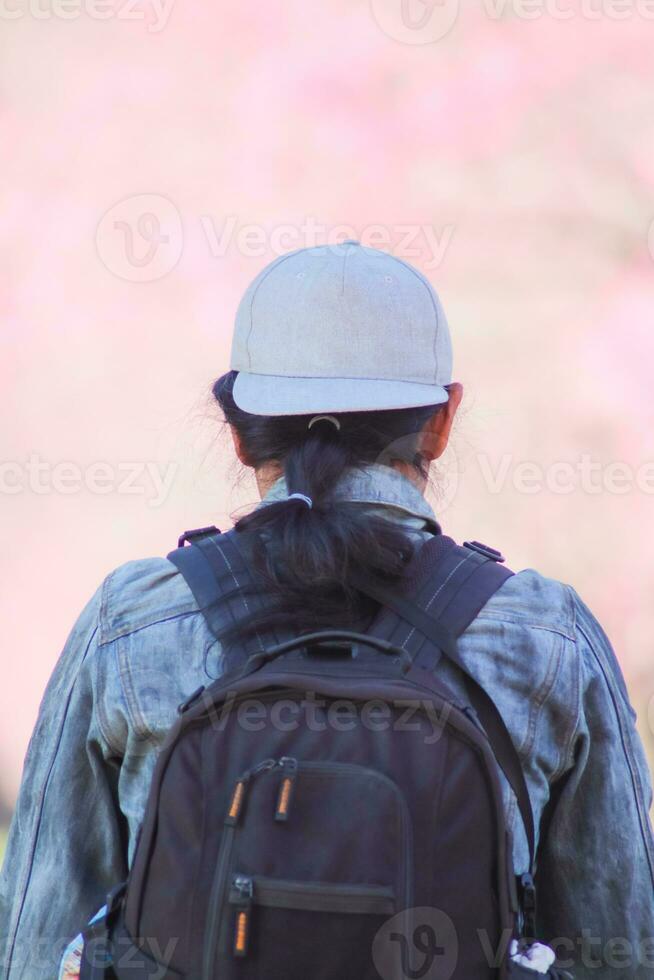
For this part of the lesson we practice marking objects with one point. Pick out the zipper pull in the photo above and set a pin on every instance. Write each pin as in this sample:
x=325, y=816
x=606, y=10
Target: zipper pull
x=238, y=793
x=245, y=888
x=264, y=766
x=236, y=803
x=289, y=770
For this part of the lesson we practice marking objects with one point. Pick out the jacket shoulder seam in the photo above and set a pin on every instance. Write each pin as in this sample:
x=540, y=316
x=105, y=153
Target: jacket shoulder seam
x=110, y=631
x=497, y=617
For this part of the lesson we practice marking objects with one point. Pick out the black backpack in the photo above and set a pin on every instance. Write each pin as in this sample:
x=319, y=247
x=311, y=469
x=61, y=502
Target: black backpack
x=328, y=809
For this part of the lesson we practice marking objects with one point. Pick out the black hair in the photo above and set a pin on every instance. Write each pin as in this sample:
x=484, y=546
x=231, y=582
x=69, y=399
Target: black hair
x=301, y=556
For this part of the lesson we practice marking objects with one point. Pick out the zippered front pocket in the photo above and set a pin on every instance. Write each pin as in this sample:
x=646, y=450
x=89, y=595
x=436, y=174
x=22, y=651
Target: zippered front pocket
x=315, y=856
x=404, y=888
x=247, y=892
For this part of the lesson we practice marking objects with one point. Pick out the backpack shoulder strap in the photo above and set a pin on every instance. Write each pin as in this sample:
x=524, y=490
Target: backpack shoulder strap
x=195, y=566
x=451, y=585
x=217, y=575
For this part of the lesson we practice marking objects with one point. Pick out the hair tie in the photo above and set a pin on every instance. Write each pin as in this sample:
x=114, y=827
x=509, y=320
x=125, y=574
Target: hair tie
x=330, y=418
x=300, y=496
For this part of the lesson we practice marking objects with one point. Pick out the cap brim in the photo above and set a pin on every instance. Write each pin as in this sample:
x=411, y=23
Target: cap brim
x=267, y=394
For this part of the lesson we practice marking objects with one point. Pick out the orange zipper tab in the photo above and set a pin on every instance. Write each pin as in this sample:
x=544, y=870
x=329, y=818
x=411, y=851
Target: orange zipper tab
x=245, y=888
x=242, y=932
x=238, y=793
x=236, y=803
x=289, y=770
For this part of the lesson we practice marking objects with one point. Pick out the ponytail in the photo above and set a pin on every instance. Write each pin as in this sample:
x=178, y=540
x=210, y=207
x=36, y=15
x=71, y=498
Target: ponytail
x=303, y=555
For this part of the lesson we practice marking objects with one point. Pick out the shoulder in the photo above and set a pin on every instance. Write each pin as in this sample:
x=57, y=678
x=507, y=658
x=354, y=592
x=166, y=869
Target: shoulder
x=141, y=593
x=523, y=641
x=535, y=601
x=544, y=621
x=523, y=649
x=541, y=603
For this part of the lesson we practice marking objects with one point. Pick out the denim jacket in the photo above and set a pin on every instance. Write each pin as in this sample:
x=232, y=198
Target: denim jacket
x=141, y=646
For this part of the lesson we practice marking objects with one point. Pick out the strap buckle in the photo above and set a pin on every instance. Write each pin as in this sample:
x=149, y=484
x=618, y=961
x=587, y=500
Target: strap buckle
x=485, y=550
x=528, y=905
x=115, y=899
x=198, y=532
x=97, y=954
x=191, y=699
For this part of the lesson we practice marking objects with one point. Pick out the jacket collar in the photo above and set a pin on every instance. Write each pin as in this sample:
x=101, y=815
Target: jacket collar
x=380, y=486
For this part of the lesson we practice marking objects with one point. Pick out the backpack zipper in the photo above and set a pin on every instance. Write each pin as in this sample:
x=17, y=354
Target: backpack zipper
x=242, y=895
x=238, y=793
x=290, y=767
x=219, y=885
x=313, y=896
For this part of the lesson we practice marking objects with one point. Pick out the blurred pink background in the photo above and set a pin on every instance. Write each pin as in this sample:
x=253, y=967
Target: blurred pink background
x=159, y=153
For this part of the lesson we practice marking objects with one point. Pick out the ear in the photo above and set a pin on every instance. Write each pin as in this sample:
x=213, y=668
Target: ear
x=436, y=432
x=238, y=446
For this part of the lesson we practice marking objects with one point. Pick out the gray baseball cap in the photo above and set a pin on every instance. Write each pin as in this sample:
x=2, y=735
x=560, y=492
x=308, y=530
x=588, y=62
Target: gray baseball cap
x=339, y=328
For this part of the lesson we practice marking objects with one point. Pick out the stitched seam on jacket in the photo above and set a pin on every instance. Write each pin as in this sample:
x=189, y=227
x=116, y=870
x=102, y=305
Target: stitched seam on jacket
x=616, y=697
x=547, y=628
x=103, y=721
x=568, y=755
x=137, y=721
x=137, y=627
x=15, y=924
x=109, y=632
x=540, y=696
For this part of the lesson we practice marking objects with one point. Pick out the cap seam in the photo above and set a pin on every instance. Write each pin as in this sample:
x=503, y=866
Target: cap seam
x=342, y=377
x=425, y=282
x=266, y=272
